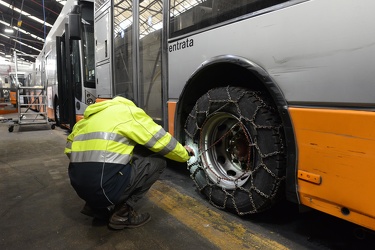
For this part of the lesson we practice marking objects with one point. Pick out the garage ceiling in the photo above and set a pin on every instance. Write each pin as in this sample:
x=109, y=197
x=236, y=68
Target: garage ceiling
x=30, y=21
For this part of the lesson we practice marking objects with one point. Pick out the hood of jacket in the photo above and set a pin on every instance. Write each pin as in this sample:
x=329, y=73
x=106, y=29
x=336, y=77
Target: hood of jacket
x=99, y=106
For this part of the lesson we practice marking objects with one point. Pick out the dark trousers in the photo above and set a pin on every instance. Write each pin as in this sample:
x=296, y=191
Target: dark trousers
x=146, y=170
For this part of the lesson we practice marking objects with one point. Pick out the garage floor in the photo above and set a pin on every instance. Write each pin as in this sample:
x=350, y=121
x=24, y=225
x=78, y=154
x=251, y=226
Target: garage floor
x=40, y=210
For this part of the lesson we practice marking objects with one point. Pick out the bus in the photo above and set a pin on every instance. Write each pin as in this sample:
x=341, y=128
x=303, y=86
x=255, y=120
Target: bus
x=66, y=66
x=274, y=96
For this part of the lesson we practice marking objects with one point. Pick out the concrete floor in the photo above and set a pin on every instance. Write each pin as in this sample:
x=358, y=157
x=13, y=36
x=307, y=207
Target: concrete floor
x=40, y=210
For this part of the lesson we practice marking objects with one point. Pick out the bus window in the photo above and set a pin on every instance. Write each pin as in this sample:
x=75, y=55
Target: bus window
x=89, y=60
x=88, y=48
x=195, y=15
x=75, y=59
x=150, y=81
x=122, y=51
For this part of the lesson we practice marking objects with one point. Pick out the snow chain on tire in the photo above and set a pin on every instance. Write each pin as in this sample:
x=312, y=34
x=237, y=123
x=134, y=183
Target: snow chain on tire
x=240, y=156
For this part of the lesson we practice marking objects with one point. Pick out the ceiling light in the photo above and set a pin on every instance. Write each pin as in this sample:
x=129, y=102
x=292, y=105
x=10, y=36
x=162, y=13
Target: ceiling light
x=24, y=13
x=8, y=30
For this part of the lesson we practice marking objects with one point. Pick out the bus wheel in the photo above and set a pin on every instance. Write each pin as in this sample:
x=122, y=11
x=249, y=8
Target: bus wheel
x=239, y=162
x=56, y=110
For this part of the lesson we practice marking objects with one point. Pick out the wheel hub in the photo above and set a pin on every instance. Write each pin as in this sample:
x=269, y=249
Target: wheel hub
x=226, y=150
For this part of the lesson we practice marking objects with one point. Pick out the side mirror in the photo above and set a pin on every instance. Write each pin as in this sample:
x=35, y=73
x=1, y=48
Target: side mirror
x=75, y=23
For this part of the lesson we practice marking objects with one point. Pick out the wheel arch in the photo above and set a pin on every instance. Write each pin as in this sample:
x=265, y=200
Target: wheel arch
x=237, y=71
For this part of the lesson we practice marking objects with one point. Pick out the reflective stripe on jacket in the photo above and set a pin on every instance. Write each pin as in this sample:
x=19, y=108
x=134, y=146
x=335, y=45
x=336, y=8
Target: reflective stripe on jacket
x=111, y=129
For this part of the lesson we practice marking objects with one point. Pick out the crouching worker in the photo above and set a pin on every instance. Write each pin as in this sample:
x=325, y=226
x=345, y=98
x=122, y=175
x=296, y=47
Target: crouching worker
x=103, y=170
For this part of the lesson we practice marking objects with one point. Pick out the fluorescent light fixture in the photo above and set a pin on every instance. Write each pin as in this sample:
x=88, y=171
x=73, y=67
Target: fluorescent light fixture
x=8, y=30
x=24, y=13
x=23, y=31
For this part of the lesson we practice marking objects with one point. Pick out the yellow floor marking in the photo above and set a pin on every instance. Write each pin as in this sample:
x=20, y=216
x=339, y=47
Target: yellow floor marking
x=211, y=225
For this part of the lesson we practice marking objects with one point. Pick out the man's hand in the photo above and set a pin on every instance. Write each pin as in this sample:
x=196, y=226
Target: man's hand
x=190, y=150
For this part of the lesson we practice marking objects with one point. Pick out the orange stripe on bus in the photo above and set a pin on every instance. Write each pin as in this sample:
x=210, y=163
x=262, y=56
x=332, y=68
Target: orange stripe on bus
x=50, y=113
x=79, y=117
x=171, y=112
x=101, y=99
x=338, y=146
x=13, y=97
x=4, y=111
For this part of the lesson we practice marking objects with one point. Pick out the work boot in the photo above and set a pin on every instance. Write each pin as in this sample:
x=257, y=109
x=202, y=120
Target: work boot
x=126, y=217
x=98, y=213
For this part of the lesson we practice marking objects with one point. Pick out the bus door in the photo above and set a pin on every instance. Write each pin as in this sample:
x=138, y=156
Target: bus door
x=64, y=107
x=136, y=42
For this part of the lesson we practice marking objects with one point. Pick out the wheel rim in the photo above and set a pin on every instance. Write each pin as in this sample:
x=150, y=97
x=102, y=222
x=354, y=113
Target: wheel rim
x=227, y=150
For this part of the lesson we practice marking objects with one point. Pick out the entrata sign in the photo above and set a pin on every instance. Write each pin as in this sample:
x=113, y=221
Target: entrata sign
x=181, y=45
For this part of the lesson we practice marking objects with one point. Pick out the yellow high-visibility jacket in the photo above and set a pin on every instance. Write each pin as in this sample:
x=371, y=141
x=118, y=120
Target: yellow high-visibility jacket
x=101, y=145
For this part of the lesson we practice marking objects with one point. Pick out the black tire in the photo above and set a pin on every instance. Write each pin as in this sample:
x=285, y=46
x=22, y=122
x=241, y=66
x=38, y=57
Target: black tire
x=238, y=141
x=10, y=129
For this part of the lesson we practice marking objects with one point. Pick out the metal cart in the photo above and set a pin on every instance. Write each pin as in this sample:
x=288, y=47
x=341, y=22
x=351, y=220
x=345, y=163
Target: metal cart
x=32, y=107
